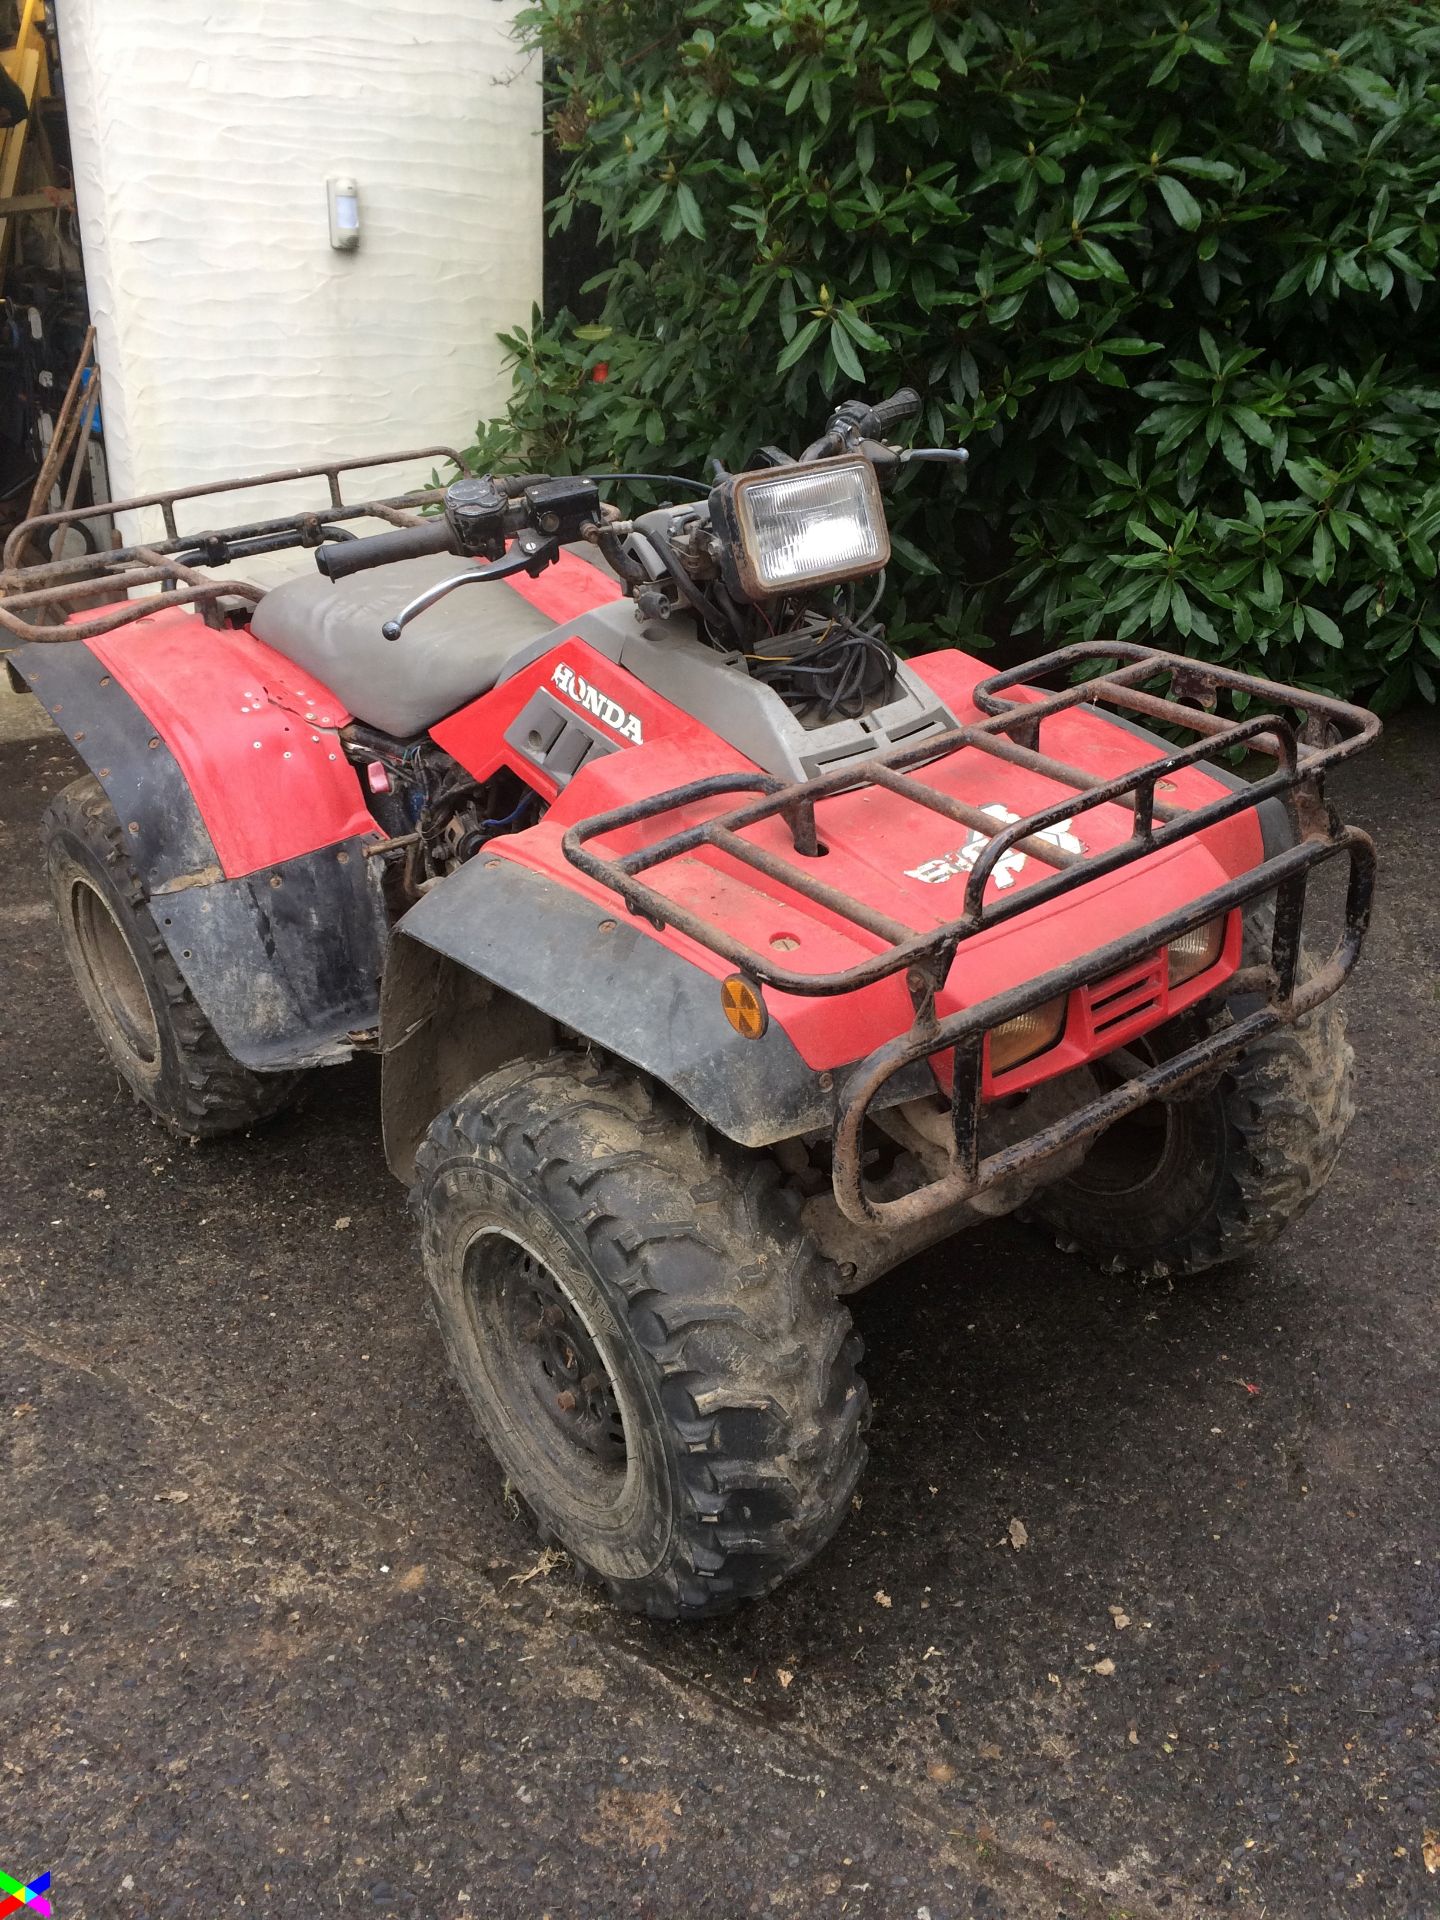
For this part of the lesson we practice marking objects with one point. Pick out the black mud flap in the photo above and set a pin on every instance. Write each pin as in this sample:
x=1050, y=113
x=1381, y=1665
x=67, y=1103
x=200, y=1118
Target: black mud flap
x=285, y=963
x=600, y=975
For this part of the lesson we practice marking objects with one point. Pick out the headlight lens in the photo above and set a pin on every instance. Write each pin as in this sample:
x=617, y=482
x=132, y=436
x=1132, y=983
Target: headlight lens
x=1193, y=952
x=1020, y=1039
x=804, y=526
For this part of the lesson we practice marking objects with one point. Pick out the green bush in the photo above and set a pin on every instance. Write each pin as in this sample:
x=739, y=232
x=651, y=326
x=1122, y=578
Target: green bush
x=1171, y=277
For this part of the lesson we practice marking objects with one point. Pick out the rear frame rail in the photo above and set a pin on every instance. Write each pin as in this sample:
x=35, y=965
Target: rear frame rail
x=48, y=589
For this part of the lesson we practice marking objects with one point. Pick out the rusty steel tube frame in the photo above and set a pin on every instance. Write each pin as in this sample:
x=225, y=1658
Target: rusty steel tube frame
x=963, y=1034
x=50, y=584
x=1296, y=781
x=926, y=958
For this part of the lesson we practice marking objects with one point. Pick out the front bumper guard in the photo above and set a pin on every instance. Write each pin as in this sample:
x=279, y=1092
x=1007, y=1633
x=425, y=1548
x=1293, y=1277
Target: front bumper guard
x=1285, y=1000
x=1015, y=712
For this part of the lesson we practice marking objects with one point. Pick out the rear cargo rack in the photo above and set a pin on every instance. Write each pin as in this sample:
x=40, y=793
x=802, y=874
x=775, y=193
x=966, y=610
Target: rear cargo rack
x=38, y=599
x=1322, y=732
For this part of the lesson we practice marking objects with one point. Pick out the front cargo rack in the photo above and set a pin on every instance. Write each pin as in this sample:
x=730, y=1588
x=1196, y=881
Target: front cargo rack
x=38, y=598
x=1303, y=733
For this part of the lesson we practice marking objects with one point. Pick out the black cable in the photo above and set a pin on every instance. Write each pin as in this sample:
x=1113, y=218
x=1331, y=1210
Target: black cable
x=702, y=605
x=834, y=675
x=659, y=479
x=611, y=549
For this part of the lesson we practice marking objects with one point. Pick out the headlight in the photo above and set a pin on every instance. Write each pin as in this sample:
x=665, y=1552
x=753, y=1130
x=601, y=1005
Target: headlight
x=1020, y=1039
x=788, y=528
x=1193, y=952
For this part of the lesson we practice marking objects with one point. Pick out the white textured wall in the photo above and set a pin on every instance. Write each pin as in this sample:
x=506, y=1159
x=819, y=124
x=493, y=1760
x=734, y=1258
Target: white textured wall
x=231, y=336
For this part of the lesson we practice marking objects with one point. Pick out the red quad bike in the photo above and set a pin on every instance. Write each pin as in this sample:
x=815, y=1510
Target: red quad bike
x=718, y=959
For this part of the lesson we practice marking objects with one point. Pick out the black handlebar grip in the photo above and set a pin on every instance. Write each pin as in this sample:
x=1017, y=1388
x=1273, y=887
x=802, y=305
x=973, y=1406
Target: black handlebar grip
x=900, y=406
x=344, y=557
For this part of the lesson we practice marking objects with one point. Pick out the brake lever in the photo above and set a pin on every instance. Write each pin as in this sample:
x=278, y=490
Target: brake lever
x=949, y=456
x=531, y=553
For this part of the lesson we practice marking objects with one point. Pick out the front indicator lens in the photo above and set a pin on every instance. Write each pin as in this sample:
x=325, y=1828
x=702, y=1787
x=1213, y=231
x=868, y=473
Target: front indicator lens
x=1193, y=952
x=1020, y=1039
x=806, y=526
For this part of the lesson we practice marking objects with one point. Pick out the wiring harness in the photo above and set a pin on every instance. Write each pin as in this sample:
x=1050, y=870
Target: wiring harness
x=827, y=666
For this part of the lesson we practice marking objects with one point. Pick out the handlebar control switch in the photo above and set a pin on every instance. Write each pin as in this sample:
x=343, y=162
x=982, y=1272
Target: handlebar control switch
x=475, y=512
x=563, y=507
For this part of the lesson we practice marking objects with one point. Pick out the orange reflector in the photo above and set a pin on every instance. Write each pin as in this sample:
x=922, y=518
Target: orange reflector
x=744, y=1008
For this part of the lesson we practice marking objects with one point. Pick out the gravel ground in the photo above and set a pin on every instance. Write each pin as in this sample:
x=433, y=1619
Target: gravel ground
x=273, y=1643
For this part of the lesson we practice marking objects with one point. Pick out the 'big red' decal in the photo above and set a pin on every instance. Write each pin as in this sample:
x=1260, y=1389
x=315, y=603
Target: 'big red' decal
x=592, y=700
x=948, y=865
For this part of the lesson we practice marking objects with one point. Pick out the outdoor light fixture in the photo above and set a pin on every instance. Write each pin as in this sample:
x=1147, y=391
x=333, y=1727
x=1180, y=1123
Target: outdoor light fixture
x=797, y=527
x=344, y=199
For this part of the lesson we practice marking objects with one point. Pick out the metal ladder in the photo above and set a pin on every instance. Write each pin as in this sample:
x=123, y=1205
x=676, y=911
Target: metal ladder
x=29, y=68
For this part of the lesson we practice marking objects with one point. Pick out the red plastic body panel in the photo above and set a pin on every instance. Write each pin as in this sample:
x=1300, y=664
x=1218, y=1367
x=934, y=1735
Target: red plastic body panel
x=257, y=739
x=258, y=745
x=565, y=589
x=476, y=734
x=900, y=858
x=270, y=784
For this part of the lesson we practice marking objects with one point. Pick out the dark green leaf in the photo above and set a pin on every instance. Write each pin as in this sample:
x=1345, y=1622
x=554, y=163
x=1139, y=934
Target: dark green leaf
x=1323, y=627
x=691, y=217
x=846, y=357
x=1181, y=202
x=646, y=211
x=907, y=551
x=799, y=346
x=1063, y=295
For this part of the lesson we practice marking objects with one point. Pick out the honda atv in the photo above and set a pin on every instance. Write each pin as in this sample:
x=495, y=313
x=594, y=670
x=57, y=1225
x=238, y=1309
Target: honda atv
x=718, y=959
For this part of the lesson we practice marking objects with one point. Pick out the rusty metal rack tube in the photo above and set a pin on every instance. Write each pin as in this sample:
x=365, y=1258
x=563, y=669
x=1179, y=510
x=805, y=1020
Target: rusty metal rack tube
x=962, y=1035
x=930, y=952
x=1332, y=731
x=169, y=562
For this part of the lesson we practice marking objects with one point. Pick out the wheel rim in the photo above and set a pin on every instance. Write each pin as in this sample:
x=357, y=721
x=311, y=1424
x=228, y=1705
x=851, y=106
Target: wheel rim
x=1133, y=1154
x=114, y=973
x=548, y=1367
x=1140, y=1154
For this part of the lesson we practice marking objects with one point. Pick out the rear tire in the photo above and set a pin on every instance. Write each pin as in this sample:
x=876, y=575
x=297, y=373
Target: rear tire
x=152, y=1028
x=1191, y=1184
x=648, y=1339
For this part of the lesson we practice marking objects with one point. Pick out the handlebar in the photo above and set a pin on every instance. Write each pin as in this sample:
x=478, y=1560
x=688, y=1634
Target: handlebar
x=444, y=535
x=855, y=420
x=482, y=513
x=886, y=414
x=344, y=557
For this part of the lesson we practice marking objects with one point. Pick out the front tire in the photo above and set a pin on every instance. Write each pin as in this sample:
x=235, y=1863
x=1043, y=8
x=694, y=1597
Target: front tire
x=151, y=1025
x=647, y=1338
x=1196, y=1183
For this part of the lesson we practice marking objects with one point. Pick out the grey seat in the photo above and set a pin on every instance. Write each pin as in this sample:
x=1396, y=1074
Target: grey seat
x=450, y=655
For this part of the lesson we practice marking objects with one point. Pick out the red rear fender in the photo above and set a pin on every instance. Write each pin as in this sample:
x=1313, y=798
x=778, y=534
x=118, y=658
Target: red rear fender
x=256, y=742
x=244, y=821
